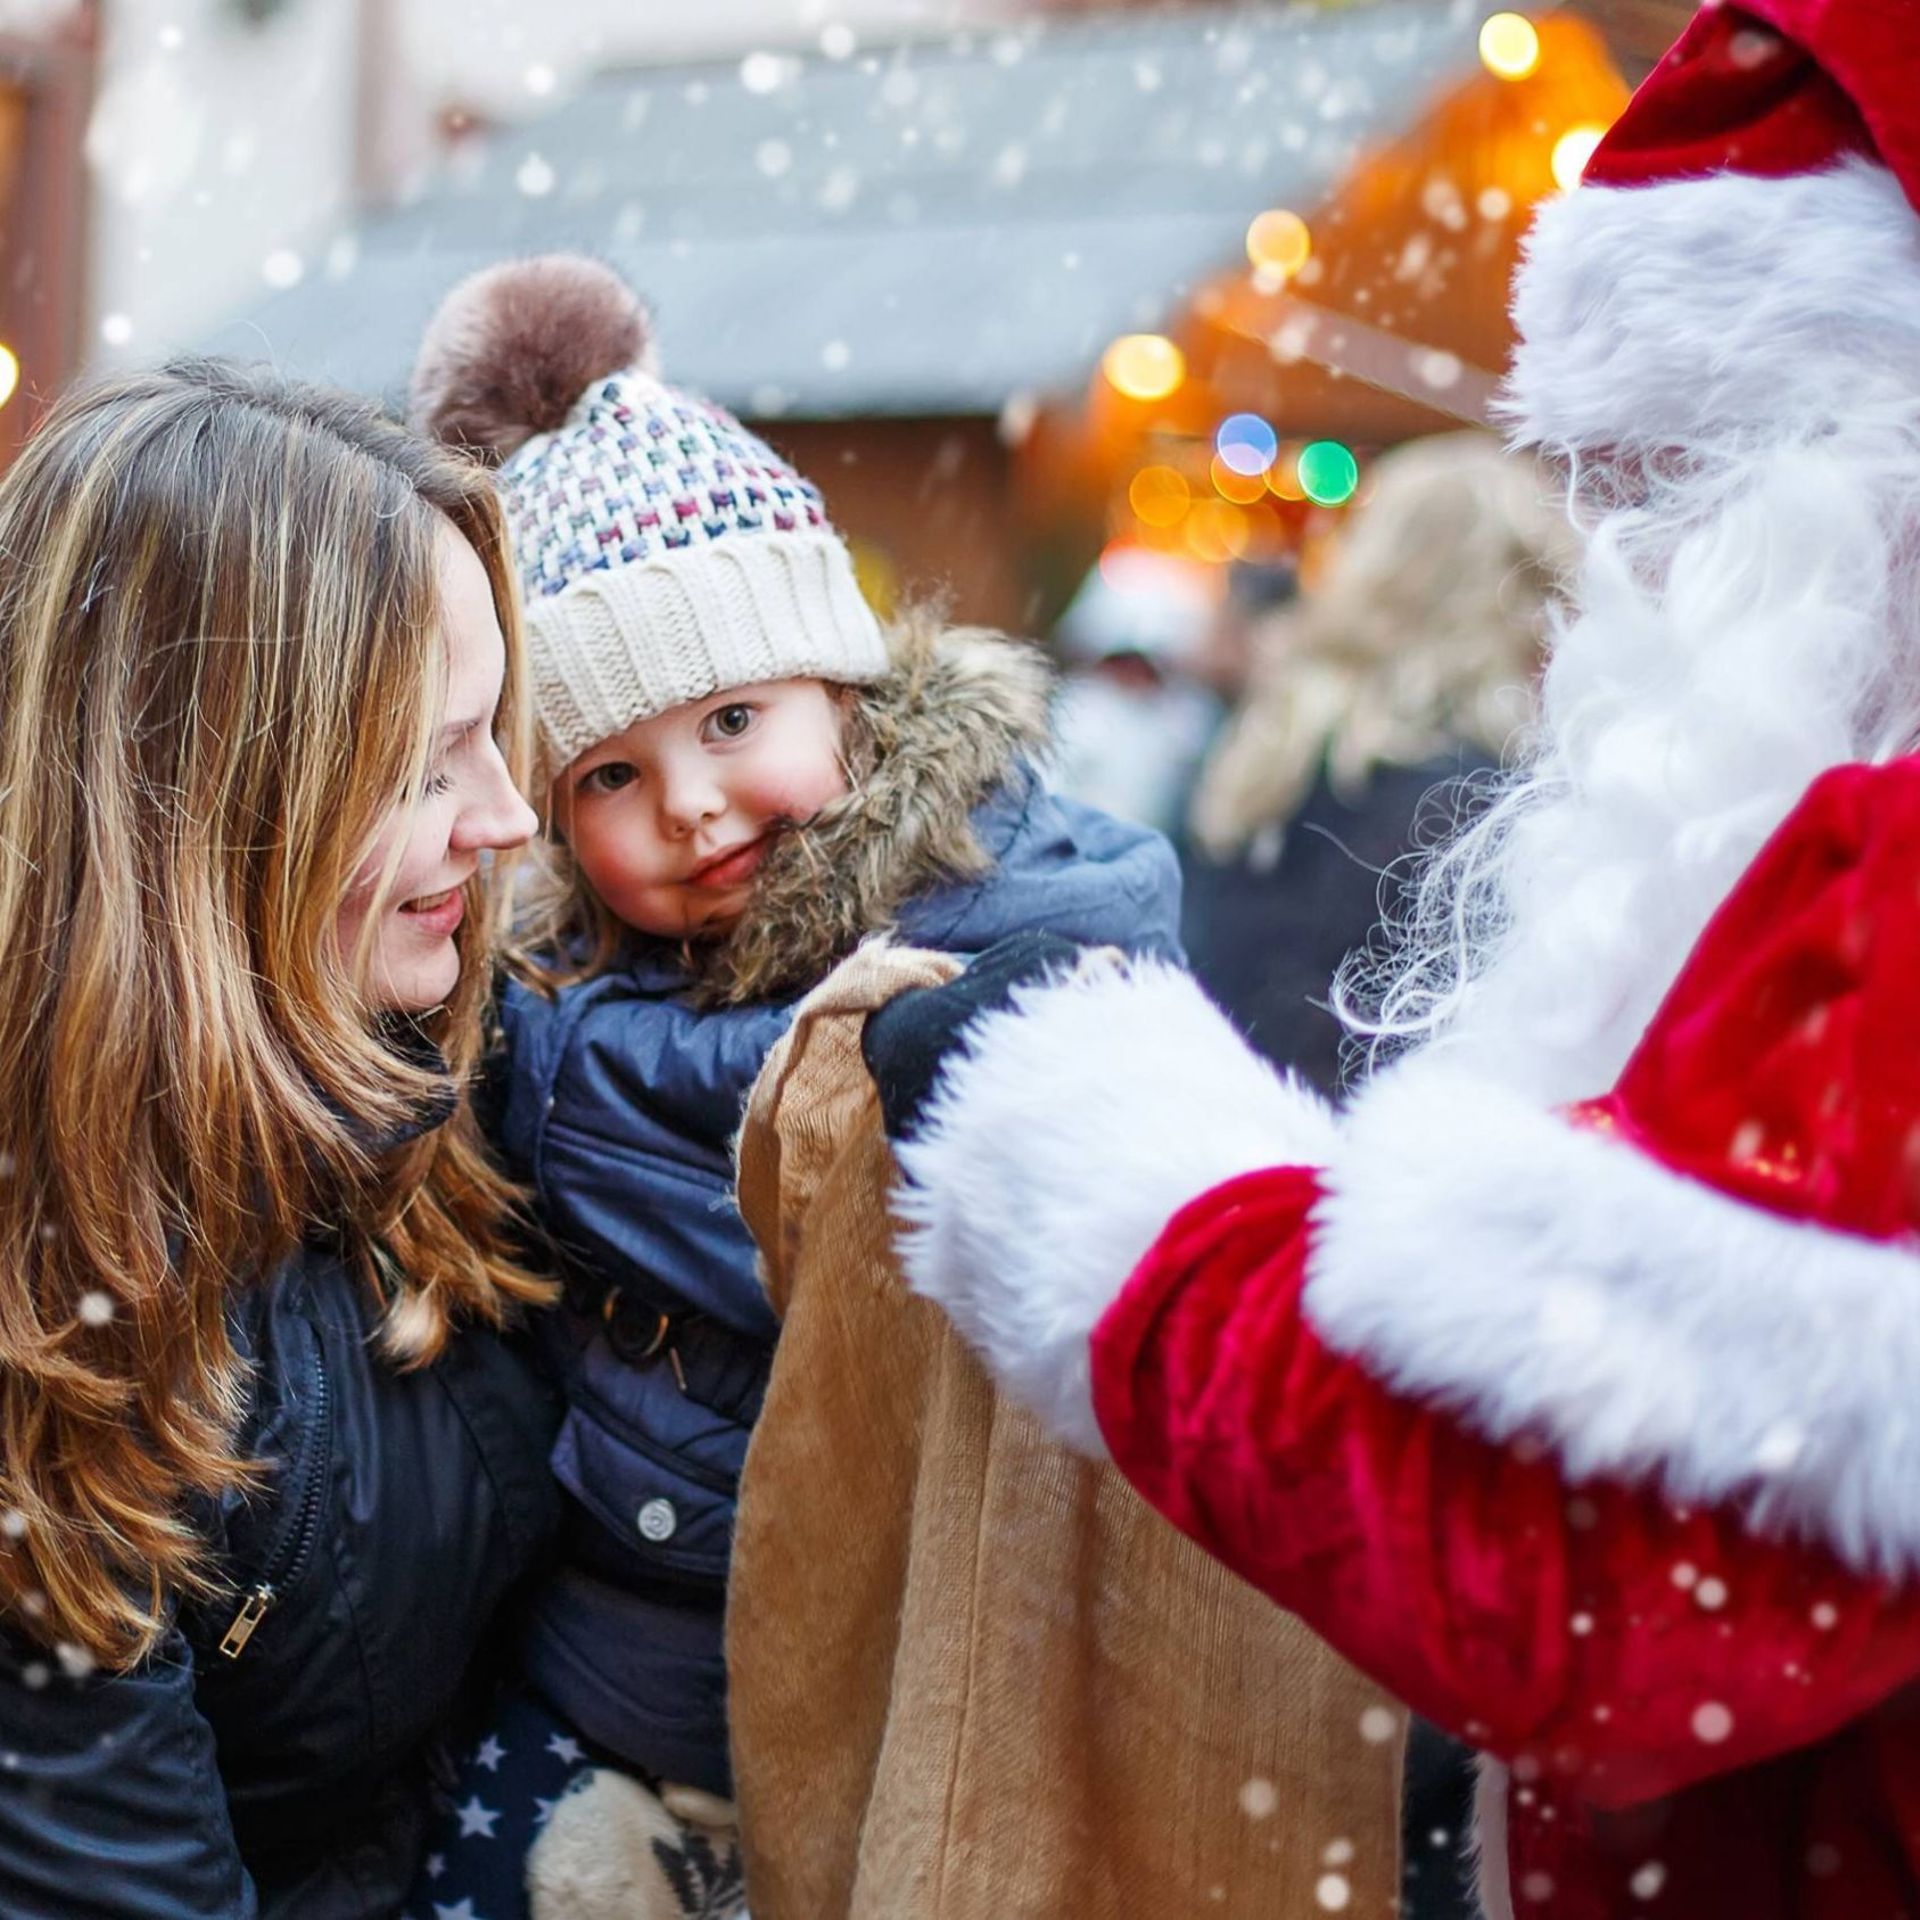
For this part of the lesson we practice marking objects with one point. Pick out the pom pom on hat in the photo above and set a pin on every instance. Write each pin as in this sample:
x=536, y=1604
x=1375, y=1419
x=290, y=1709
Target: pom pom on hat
x=513, y=347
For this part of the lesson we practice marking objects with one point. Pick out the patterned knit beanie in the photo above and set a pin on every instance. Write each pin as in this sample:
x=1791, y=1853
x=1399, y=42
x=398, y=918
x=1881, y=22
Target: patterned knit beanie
x=664, y=553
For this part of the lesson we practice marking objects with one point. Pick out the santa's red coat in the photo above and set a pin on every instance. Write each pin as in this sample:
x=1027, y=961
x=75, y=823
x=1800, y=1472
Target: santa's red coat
x=1594, y=1435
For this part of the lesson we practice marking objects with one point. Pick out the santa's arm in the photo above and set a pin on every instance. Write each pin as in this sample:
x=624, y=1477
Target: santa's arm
x=1591, y=1451
x=1542, y=1598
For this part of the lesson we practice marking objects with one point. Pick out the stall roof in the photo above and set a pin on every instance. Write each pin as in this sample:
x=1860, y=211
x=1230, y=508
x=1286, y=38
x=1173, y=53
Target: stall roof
x=929, y=229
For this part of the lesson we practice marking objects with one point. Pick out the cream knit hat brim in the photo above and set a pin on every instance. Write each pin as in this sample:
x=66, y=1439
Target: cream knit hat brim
x=631, y=641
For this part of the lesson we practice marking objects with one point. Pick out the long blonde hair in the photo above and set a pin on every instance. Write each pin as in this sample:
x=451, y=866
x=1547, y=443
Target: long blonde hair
x=219, y=673
x=1427, y=635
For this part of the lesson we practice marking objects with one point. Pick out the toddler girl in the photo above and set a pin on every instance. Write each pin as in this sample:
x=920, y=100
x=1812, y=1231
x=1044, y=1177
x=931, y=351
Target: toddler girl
x=743, y=776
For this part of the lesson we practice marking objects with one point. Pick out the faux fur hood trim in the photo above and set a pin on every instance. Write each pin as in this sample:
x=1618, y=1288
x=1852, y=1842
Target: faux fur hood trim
x=955, y=715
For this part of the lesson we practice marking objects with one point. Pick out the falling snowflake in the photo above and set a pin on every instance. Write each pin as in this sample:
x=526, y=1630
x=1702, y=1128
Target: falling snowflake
x=840, y=189
x=836, y=356
x=1711, y=1594
x=116, y=329
x=540, y=79
x=1712, y=1723
x=1826, y=1616
x=1259, y=1798
x=535, y=177
x=1647, y=1881
x=96, y=1307
x=1378, y=1725
x=1333, y=1892
x=838, y=41
x=283, y=268
x=773, y=158
x=1017, y=417
x=1780, y=1446
x=1337, y=1853
x=768, y=72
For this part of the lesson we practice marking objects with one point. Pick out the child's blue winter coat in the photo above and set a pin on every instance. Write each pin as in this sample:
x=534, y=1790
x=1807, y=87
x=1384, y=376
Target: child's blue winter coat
x=621, y=1103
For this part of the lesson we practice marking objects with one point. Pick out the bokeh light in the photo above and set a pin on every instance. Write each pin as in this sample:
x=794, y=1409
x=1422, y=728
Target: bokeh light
x=1283, y=477
x=1246, y=443
x=1144, y=366
x=1571, y=152
x=1278, y=243
x=1328, y=473
x=1509, y=45
x=1159, y=496
x=1230, y=483
x=1216, y=531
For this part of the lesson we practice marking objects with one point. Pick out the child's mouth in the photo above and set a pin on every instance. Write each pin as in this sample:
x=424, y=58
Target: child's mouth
x=731, y=867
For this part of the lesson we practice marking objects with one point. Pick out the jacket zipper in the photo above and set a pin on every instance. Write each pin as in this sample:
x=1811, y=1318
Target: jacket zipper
x=259, y=1598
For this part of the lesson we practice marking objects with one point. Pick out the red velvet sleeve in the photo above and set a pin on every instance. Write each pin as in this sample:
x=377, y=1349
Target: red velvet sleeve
x=1594, y=1633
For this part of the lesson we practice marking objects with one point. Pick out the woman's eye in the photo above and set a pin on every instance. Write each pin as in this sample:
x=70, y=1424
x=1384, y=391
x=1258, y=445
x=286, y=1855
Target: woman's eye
x=609, y=777
x=729, y=723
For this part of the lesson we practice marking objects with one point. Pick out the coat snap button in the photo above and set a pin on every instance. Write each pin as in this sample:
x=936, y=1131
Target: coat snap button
x=658, y=1521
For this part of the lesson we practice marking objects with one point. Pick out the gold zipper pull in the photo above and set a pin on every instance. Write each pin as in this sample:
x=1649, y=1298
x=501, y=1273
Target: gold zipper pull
x=252, y=1611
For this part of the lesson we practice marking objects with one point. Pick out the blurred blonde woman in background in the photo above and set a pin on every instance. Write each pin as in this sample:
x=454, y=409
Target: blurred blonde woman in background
x=1409, y=664
x=267, y=1468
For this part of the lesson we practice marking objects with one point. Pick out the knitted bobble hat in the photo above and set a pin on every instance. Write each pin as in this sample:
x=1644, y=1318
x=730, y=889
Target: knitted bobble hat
x=664, y=552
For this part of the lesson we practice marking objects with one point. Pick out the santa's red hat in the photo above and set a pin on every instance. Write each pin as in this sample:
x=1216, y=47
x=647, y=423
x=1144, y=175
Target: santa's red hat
x=1744, y=251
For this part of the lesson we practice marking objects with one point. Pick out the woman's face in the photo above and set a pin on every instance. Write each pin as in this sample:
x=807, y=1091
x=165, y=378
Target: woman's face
x=469, y=807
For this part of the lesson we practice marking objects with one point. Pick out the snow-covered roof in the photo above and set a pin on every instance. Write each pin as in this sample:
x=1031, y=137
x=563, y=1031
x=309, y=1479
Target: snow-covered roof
x=935, y=228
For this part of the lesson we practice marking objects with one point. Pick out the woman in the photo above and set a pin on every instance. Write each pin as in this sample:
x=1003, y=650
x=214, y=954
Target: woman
x=267, y=1468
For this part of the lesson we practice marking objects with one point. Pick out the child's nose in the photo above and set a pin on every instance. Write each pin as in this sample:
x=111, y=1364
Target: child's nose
x=688, y=801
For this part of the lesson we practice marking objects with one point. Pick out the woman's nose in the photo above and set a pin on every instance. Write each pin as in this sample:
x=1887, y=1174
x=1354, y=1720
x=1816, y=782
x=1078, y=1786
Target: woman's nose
x=499, y=818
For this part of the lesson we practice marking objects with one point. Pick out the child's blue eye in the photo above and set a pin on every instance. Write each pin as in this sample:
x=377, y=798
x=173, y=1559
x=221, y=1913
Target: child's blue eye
x=608, y=777
x=730, y=722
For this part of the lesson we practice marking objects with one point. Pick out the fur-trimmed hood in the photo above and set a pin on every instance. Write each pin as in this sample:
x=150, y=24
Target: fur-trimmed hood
x=954, y=720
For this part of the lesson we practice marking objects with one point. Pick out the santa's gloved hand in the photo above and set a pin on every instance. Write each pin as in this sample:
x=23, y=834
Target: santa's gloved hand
x=908, y=1042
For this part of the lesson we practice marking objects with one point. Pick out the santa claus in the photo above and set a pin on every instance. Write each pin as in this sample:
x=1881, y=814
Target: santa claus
x=1568, y=1378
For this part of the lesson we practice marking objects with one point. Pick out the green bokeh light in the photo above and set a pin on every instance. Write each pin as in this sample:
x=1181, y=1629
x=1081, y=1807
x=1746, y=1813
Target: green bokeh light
x=1328, y=473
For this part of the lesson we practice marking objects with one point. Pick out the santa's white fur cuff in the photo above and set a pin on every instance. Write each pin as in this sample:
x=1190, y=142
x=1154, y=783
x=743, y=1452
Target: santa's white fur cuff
x=1063, y=1139
x=1476, y=1251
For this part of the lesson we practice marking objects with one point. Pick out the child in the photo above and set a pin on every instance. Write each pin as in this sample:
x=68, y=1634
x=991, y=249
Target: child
x=743, y=777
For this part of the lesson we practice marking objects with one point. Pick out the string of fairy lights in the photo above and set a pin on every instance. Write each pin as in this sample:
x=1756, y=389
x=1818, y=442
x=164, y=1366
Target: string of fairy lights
x=1251, y=461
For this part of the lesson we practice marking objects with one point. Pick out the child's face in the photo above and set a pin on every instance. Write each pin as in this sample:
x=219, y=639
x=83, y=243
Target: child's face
x=671, y=819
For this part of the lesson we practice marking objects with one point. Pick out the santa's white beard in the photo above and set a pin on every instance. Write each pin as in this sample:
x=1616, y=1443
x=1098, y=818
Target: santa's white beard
x=1749, y=619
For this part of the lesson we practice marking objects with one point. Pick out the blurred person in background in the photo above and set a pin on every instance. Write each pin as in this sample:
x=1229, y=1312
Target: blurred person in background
x=1410, y=666
x=1135, y=714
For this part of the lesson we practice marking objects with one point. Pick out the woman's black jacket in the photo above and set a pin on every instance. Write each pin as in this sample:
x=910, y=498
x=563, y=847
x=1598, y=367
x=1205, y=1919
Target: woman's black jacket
x=274, y=1757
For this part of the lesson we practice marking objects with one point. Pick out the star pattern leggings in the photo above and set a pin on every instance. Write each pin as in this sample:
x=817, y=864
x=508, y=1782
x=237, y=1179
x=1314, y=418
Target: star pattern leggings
x=508, y=1783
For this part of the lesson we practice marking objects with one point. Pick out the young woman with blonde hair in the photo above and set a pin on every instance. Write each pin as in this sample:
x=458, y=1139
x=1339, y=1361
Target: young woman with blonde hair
x=267, y=1470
